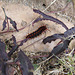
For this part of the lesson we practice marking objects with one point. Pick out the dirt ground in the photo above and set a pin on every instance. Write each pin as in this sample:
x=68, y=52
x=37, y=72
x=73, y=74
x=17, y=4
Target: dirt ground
x=21, y=11
x=23, y=14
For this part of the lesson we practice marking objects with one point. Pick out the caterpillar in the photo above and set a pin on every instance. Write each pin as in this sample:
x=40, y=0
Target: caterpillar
x=37, y=32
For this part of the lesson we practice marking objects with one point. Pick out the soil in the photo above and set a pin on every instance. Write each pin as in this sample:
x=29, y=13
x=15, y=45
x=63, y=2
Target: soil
x=21, y=11
x=23, y=15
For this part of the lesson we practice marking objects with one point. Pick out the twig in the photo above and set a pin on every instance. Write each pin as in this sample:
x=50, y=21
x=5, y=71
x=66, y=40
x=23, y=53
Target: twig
x=33, y=43
x=43, y=11
x=46, y=59
x=59, y=42
x=49, y=5
x=27, y=25
x=12, y=30
x=39, y=56
x=61, y=9
x=70, y=54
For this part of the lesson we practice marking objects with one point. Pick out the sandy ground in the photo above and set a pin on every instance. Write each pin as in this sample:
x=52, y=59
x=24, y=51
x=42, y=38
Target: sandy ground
x=23, y=16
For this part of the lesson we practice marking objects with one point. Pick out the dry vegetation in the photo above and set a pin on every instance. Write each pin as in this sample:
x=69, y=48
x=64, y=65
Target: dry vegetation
x=21, y=11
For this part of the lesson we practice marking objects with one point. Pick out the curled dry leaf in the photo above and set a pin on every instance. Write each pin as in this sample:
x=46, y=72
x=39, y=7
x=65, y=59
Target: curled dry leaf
x=60, y=48
x=14, y=24
x=26, y=65
x=47, y=17
x=14, y=40
x=16, y=46
x=3, y=59
x=4, y=24
x=53, y=38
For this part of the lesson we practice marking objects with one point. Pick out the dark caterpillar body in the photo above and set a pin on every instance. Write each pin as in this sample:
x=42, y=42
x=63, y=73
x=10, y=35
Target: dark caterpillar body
x=36, y=33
